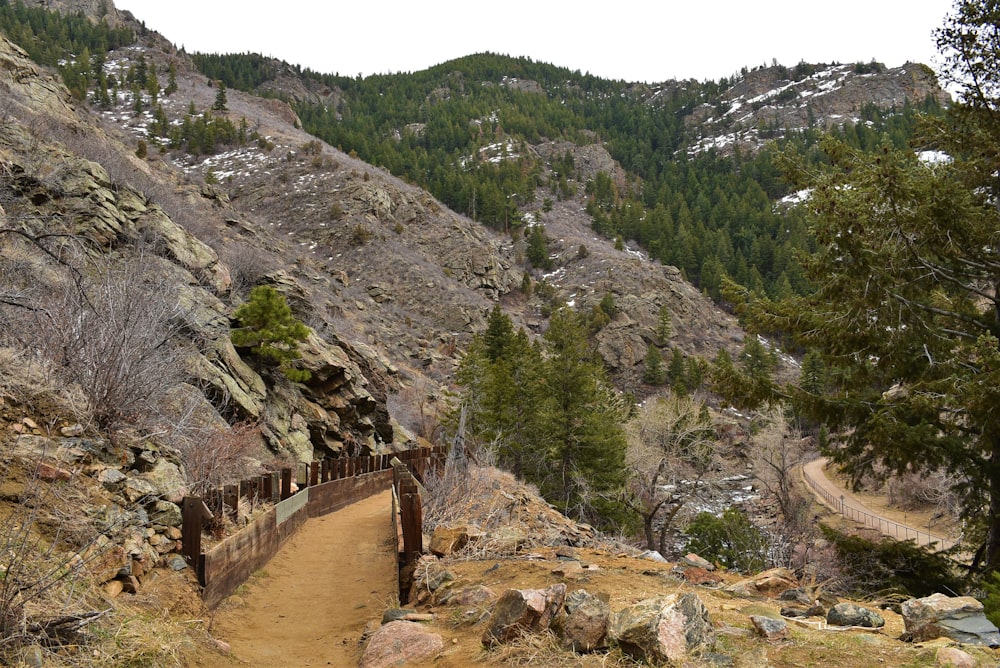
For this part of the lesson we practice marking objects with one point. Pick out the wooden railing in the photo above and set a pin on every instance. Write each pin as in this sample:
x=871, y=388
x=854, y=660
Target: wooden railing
x=407, y=506
x=322, y=487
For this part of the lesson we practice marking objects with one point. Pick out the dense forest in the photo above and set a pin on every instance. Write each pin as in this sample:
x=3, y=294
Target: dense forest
x=463, y=130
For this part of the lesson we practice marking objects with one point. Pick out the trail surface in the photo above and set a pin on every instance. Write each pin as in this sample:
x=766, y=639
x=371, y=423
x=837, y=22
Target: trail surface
x=842, y=501
x=309, y=605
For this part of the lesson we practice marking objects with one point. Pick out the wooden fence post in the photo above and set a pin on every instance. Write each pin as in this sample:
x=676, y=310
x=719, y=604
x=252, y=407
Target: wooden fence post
x=191, y=526
x=313, y=474
x=286, y=483
x=412, y=518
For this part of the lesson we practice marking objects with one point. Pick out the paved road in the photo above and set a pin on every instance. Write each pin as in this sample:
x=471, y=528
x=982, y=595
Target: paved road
x=843, y=502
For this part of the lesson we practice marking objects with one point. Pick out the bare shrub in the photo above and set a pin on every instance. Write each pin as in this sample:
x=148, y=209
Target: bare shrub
x=248, y=264
x=49, y=553
x=672, y=450
x=106, y=327
x=222, y=456
x=418, y=407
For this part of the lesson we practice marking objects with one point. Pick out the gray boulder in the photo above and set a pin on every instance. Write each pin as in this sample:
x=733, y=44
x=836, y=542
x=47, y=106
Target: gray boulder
x=960, y=618
x=769, y=628
x=662, y=629
x=848, y=614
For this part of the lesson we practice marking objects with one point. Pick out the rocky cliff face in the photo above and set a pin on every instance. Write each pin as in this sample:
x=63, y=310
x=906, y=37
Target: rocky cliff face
x=779, y=99
x=50, y=190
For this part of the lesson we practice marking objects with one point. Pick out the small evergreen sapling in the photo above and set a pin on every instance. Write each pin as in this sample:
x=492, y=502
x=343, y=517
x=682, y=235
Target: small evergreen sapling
x=269, y=329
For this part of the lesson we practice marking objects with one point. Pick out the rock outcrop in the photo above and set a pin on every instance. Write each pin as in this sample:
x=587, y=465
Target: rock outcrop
x=960, y=618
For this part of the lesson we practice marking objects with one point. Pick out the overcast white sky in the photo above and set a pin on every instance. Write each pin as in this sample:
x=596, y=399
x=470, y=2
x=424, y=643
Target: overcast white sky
x=635, y=40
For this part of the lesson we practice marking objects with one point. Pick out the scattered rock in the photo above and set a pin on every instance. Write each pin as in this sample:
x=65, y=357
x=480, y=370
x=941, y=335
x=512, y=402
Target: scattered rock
x=767, y=584
x=584, y=627
x=475, y=595
x=796, y=595
x=400, y=643
x=568, y=569
x=112, y=588
x=396, y=614
x=849, y=614
x=448, y=540
x=50, y=473
x=698, y=576
x=72, y=430
x=176, y=562
x=521, y=611
x=653, y=555
x=952, y=657
x=662, y=629
x=770, y=628
x=799, y=611
x=960, y=618
x=566, y=553
x=692, y=559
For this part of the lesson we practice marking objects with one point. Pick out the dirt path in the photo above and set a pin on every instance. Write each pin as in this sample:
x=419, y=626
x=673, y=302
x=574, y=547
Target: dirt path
x=887, y=521
x=309, y=605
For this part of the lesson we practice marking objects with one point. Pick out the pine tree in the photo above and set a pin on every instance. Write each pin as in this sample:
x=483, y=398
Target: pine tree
x=664, y=326
x=654, y=373
x=220, y=97
x=268, y=328
x=582, y=422
x=901, y=313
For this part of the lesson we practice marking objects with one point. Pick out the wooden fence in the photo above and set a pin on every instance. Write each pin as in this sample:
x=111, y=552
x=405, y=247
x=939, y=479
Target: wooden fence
x=407, y=507
x=322, y=487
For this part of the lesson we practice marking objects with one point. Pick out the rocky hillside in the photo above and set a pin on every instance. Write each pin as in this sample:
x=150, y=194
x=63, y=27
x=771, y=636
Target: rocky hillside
x=769, y=102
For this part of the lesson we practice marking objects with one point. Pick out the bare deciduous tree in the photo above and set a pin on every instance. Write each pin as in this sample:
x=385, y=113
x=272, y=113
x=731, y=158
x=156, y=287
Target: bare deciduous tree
x=776, y=454
x=672, y=450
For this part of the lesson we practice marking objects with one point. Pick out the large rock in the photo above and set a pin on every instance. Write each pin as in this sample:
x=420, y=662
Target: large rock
x=522, y=611
x=584, y=627
x=767, y=584
x=849, y=614
x=663, y=629
x=400, y=643
x=769, y=627
x=447, y=540
x=960, y=618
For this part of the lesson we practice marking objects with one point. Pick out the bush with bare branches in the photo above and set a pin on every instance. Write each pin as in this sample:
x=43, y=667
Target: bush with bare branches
x=105, y=326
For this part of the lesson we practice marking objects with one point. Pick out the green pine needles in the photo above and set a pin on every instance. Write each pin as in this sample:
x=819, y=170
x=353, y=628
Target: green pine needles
x=269, y=329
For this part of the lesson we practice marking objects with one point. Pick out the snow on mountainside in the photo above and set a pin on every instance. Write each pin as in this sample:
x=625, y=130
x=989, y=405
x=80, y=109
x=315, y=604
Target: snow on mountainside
x=768, y=102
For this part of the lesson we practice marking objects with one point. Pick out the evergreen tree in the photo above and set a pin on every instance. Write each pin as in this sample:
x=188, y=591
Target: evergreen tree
x=268, y=328
x=901, y=313
x=677, y=372
x=548, y=413
x=220, y=97
x=654, y=373
x=171, y=80
x=582, y=425
x=538, y=248
x=664, y=326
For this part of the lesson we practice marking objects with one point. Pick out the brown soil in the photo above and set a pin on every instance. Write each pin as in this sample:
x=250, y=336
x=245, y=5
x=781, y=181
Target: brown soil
x=310, y=604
